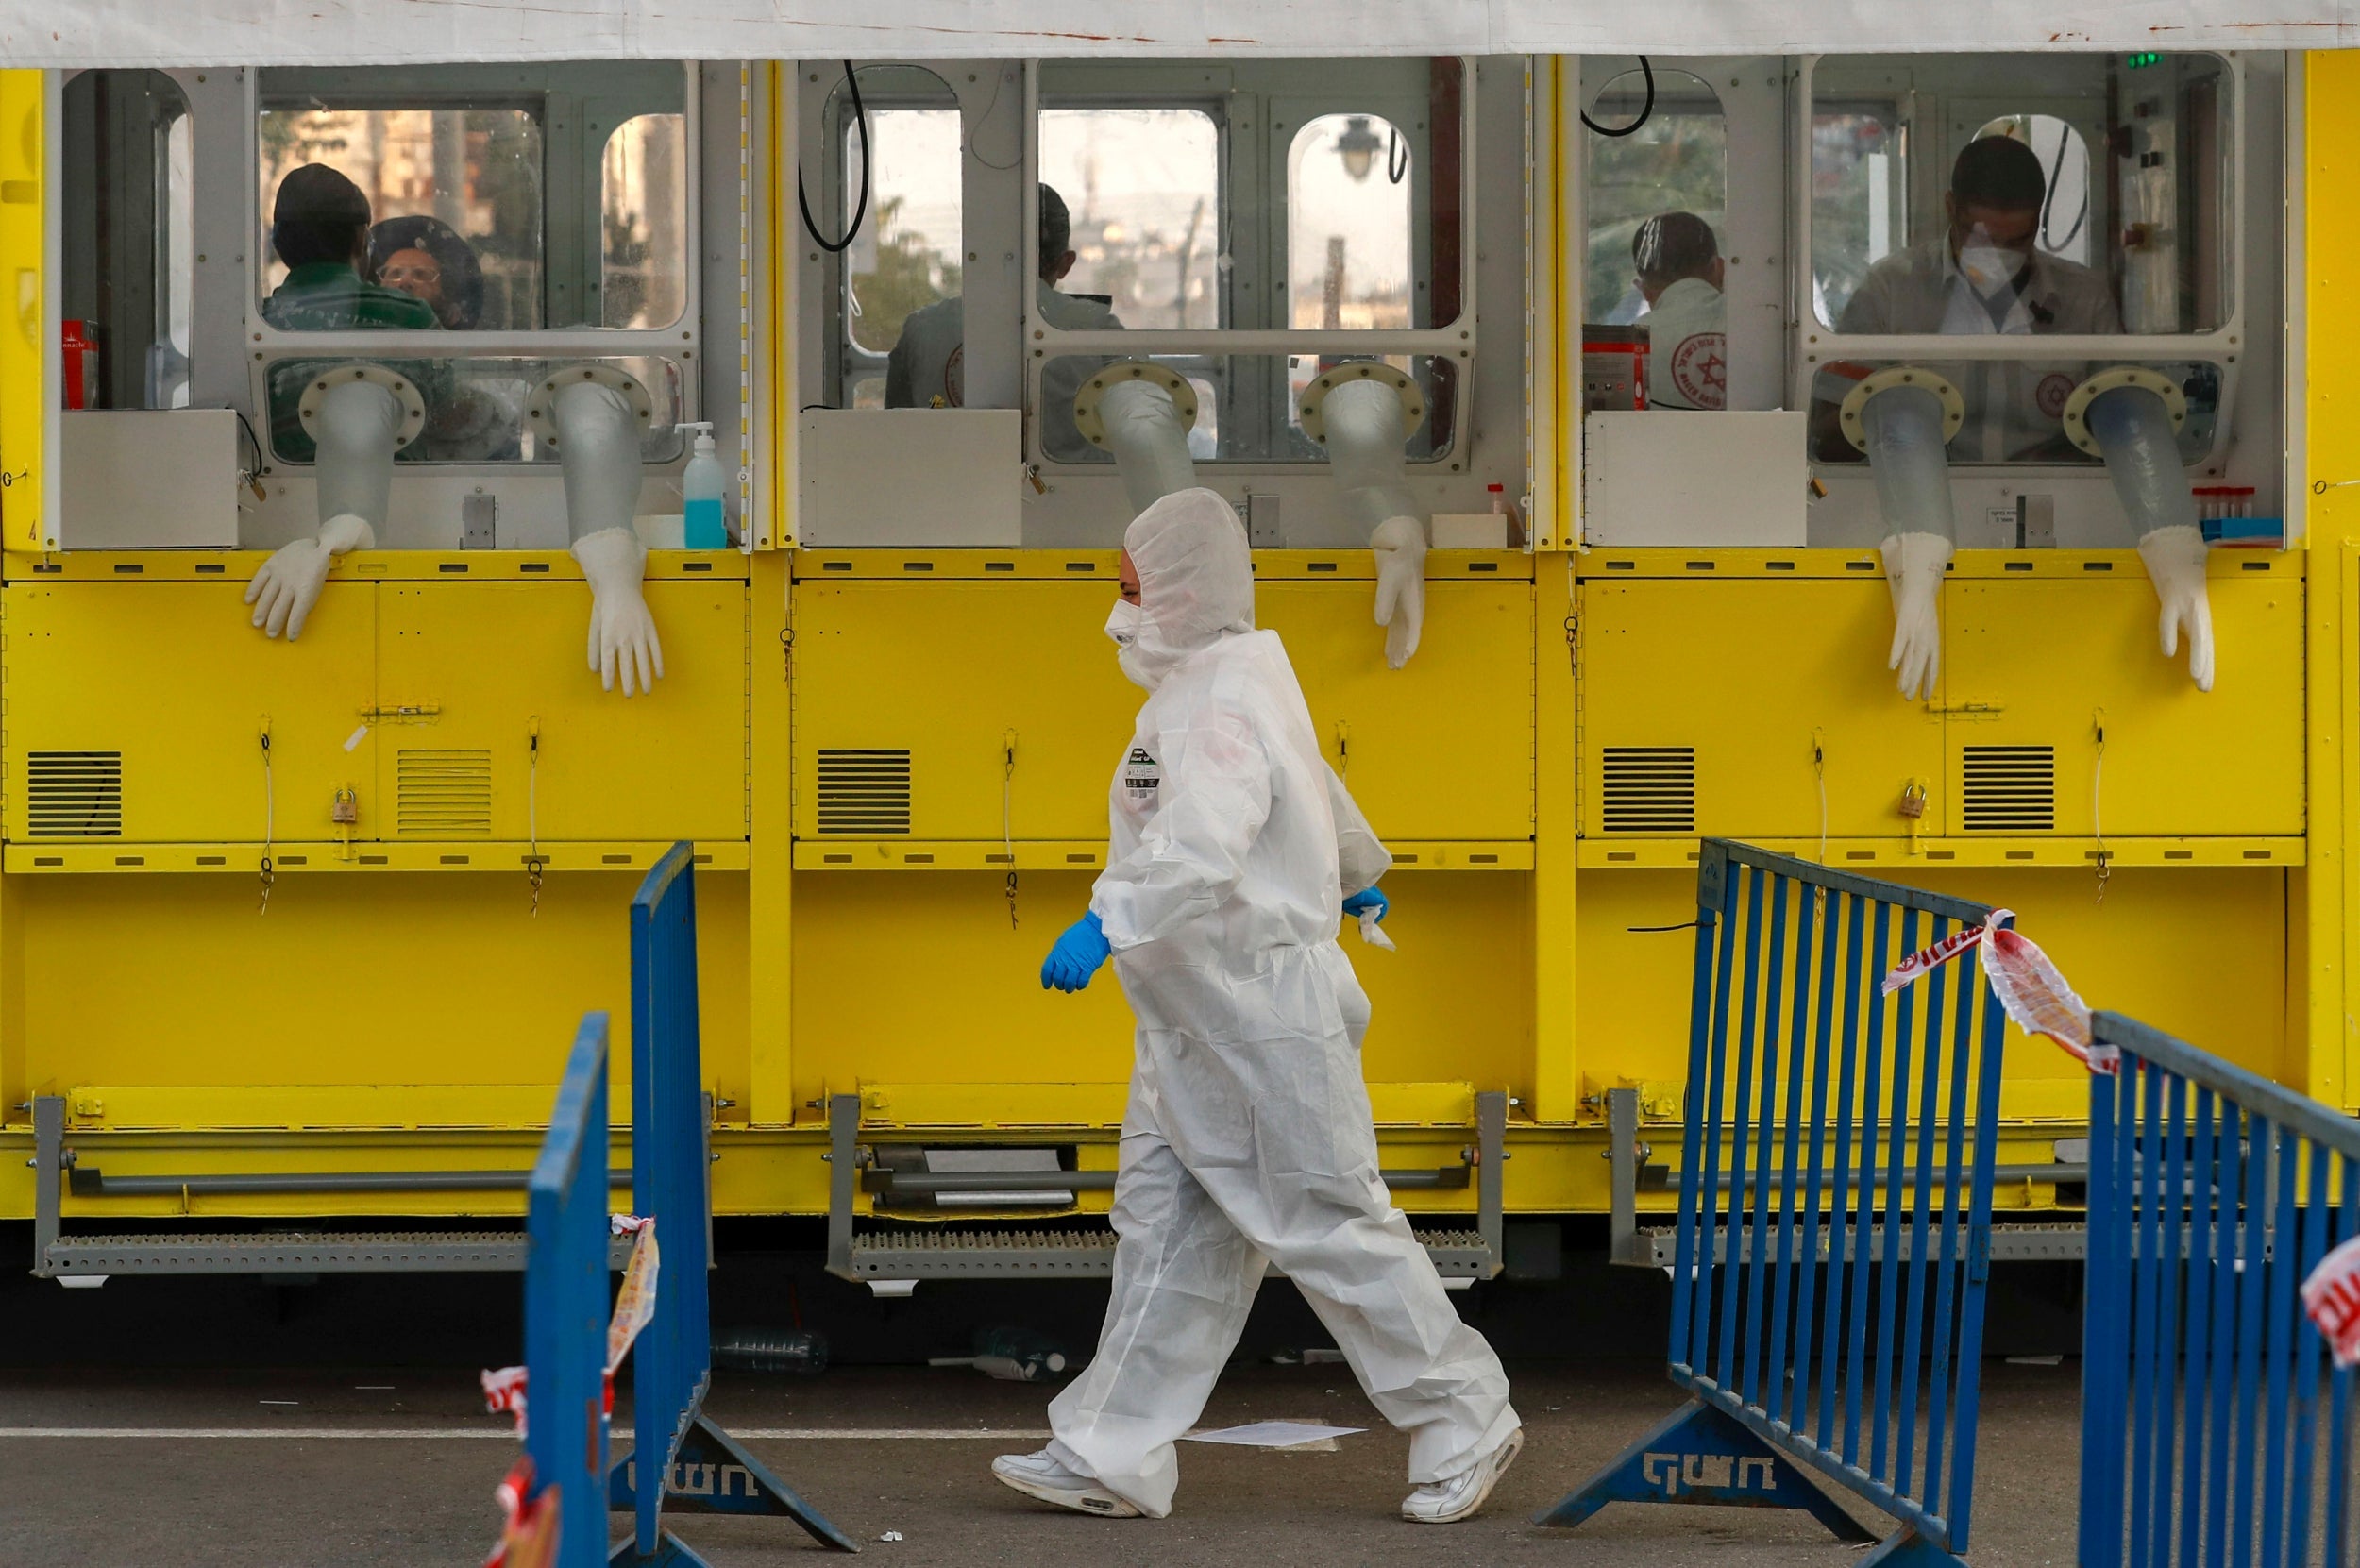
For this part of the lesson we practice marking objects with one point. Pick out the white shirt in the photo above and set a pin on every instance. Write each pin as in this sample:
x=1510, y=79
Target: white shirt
x=2014, y=407
x=1688, y=355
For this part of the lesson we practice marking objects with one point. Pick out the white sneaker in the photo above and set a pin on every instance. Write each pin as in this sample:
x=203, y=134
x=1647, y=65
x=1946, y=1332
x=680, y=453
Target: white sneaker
x=1463, y=1495
x=1038, y=1476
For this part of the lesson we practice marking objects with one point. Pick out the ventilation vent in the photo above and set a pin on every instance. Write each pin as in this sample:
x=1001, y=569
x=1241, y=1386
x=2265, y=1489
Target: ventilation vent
x=2011, y=789
x=443, y=794
x=73, y=795
x=865, y=793
x=1651, y=790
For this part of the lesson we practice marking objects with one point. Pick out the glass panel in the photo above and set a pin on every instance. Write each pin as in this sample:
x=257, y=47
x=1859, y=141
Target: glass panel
x=1657, y=198
x=902, y=206
x=1677, y=161
x=1141, y=188
x=168, y=360
x=475, y=407
x=1228, y=383
x=458, y=189
x=1348, y=223
x=644, y=213
x=1859, y=183
x=2022, y=194
x=127, y=226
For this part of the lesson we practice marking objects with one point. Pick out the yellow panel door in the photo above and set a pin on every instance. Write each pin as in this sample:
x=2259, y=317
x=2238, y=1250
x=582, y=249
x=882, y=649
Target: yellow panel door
x=136, y=711
x=2031, y=665
x=905, y=694
x=480, y=667
x=1741, y=695
x=1440, y=748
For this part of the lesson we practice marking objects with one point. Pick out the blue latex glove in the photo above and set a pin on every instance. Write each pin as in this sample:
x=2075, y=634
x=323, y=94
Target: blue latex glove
x=1369, y=898
x=1075, y=955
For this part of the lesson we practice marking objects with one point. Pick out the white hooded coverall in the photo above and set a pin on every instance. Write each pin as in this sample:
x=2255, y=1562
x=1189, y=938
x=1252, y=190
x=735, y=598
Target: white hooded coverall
x=1248, y=1134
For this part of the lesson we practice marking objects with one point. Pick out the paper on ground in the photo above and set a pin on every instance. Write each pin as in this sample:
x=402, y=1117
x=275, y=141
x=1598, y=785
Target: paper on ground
x=1274, y=1434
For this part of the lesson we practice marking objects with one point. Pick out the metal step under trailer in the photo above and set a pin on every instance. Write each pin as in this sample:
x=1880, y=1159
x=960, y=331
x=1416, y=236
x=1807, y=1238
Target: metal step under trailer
x=91, y=1259
x=893, y=1261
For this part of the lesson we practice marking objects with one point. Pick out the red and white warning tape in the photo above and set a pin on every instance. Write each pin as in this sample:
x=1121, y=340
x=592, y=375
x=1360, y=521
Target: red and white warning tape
x=2029, y=988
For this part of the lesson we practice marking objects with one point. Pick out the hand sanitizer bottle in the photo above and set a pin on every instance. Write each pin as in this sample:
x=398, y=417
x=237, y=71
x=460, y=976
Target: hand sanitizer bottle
x=703, y=526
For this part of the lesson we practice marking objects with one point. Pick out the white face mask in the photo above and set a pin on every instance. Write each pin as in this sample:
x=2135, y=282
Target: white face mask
x=1122, y=623
x=1988, y=268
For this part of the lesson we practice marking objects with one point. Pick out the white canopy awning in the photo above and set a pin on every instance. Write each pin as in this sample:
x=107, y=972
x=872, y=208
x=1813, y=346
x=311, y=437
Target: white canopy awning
x=355, y=32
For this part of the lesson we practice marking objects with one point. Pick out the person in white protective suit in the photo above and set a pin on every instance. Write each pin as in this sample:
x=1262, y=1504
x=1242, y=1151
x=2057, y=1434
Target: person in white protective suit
x=1248, y=1135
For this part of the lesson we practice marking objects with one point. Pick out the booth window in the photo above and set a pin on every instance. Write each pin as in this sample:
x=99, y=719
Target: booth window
x=2124, y=177
x=1348, y=224
x=129, y=231
x=1143, y=187
x=906, y=254
x=643, y=221
x=1676, y=161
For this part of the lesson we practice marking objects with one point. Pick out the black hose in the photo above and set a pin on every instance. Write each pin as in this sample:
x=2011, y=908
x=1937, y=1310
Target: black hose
x=2056, y=166
x=1646, y=111
x=860, y=210
x=1396, y=157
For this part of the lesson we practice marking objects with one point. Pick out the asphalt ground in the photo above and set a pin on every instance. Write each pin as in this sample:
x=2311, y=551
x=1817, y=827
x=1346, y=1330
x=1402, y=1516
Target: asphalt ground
x=231, y=1388
x=269, y=1495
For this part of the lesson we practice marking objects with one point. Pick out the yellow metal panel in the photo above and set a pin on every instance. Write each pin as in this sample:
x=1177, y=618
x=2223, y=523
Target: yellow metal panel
x=1886, y=858
x=363, y=857
x=1440, y=748
x=401, y=990
x=2034, y=663
x=482, y=665
x=2131, y=951
x=1756, y=675
x=121, y=1107
x=948, y=671
x=172, y=676
x=1557, y=825
x=1451, y=1006
x=27, y=344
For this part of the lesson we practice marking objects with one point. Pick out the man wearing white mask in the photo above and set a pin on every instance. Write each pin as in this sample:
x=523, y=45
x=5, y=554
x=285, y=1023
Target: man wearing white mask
x=1248, y=1135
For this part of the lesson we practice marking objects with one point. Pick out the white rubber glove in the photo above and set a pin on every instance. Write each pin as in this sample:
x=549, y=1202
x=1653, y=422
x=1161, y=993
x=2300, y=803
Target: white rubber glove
x=288, y=584
x=622, y=632
x=1914, y=567
x=2175, y=558
x=1399, y=543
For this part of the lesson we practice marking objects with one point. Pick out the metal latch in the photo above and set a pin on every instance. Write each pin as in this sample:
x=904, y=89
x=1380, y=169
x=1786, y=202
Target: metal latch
x=1971, y=708
x=407, y=713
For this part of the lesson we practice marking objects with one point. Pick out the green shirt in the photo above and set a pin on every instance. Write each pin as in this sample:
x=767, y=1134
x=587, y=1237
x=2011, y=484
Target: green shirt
x=330, y=297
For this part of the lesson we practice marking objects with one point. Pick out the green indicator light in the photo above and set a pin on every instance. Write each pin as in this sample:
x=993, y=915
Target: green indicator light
x=2141, y=62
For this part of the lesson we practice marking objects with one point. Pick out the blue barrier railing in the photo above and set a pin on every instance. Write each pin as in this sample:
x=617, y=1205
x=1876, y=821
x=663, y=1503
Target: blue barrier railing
x=705, y=1470
x=1828, y=1279
x=566, y=1303
x=2215, y=1432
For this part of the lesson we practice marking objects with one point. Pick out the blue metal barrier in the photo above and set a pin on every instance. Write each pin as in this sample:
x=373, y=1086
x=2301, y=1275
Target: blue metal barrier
x=705, y=1470
x=566, y=1303
x=1847, y=1246
x=2214, y=1430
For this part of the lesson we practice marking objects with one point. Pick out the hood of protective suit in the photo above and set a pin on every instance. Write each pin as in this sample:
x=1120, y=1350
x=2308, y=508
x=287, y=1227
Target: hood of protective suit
x=1196, y=581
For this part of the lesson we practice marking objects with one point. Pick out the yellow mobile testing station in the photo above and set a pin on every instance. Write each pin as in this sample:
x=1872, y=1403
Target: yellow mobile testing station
x=288, y=924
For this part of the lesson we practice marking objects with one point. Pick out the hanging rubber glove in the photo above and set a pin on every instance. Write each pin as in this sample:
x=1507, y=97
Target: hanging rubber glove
x=1915, y=563
x=1399, y=543
x=2175, y=558
x=622, y=632
x=288, y=584
x=1075, y=955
